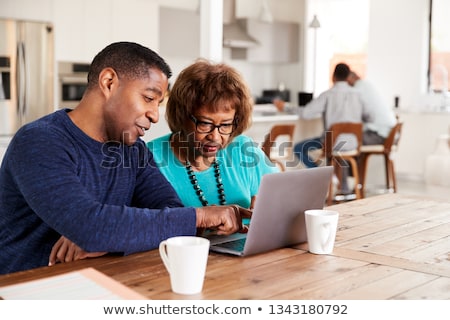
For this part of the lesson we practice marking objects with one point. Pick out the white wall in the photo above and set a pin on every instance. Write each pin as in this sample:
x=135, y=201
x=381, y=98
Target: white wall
x=417, y=144
x=397, y=65
x=398, y=50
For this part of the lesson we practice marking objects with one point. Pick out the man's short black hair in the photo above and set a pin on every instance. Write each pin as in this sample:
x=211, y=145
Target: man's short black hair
x=129, y=60
x=341, y=72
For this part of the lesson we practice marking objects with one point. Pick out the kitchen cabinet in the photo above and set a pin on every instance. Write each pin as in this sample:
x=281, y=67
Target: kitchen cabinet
x=78, y=25
x=179, y=33
x=136, y=21
x=278, y=42
x=30, y=10
x=84, y=27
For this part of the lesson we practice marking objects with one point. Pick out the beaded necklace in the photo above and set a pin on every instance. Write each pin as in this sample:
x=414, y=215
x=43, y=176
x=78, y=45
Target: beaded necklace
x=197, y=188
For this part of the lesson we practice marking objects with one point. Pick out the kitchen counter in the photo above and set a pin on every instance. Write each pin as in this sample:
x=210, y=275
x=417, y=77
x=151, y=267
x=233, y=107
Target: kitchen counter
x=267, y=115
x=274, y=117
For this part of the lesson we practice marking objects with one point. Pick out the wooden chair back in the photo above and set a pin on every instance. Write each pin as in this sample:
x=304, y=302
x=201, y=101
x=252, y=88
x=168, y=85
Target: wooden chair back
x=270, y=139
x=337, y=129
x=337, y=158
x=393, y=137
x=275, y=132
x=385, y=150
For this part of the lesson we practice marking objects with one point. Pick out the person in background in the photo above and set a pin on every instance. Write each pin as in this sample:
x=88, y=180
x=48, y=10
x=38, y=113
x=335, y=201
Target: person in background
x=206, y=157
x=383, y=117
x=80, y=183
x=340, y=103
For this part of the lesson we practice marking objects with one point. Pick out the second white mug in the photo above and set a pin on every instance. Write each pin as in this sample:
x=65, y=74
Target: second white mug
x=321, y=226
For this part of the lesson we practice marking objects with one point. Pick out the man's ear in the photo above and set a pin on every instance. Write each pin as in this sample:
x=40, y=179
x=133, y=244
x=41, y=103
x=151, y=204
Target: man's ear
x=107, y=80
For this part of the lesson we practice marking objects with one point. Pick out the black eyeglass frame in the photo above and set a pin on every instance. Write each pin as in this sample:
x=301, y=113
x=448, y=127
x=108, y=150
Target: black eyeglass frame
x=213, y=126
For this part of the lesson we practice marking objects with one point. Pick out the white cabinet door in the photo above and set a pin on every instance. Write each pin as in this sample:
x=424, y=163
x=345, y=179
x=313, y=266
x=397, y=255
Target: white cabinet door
x=136, y=21
x=278, y=42
x=180, y=33
x=84, y=27
x=98, y=22
x=27, y=9
x=70, y=24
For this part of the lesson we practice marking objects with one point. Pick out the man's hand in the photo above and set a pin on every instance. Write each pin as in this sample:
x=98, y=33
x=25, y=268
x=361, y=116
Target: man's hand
x=226, y=219
x=279, y=104
x=65, y=250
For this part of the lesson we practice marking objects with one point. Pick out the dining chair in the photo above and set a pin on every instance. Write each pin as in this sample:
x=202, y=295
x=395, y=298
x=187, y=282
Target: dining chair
x=278, y=154
x=341, y=150
x=386, y=150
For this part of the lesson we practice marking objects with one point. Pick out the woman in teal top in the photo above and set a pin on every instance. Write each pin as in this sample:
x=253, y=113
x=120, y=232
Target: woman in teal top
x=240, y=172
x=206, y=157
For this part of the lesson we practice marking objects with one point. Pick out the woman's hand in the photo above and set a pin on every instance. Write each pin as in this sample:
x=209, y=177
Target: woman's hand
x=65, y=250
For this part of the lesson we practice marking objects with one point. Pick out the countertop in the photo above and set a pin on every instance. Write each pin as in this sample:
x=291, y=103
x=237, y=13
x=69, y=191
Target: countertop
x=269, y=113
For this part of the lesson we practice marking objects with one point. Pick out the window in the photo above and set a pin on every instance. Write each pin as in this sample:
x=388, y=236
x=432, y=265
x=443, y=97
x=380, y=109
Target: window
x=439, y=64
x=342, y=37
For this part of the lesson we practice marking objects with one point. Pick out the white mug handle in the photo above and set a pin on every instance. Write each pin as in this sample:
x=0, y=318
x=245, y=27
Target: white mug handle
x=163, y=254
x=327, y=235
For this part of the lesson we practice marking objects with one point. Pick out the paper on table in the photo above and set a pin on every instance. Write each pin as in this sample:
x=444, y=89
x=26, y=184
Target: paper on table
x=84, y=284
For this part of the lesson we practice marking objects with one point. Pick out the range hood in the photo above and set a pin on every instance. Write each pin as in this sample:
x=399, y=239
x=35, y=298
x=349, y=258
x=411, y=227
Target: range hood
x=234, y=35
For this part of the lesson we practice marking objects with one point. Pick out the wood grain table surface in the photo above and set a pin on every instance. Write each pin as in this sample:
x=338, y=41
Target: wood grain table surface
x=387, y=247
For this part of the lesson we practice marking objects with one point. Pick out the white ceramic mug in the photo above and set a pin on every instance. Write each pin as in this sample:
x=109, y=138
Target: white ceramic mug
x=321, y=226
x=185, y=258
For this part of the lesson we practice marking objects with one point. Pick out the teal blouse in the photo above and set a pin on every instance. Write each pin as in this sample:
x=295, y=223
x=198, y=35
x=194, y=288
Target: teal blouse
x=242, y=164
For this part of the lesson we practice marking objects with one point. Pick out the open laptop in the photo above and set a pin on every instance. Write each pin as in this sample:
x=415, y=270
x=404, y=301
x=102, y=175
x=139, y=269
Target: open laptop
x=278, y=218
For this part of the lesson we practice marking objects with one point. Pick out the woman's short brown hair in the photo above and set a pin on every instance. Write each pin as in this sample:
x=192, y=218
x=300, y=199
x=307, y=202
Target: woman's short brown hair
x=211, y=85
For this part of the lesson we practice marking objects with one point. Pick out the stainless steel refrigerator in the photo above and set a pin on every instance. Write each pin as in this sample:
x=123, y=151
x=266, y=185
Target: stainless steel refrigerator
x=26, y=74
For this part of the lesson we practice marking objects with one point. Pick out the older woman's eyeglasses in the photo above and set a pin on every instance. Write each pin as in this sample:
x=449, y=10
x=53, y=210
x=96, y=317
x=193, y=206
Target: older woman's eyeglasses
x=208, y=127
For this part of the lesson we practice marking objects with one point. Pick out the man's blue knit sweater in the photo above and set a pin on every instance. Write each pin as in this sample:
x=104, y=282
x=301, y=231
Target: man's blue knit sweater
x=55, y=180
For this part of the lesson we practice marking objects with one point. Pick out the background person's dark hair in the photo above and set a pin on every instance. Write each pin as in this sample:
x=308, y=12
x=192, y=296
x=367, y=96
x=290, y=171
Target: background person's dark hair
x=128, y=59
x=341, y=72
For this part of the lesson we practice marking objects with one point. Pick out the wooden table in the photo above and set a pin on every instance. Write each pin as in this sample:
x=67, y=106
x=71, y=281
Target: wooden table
x=387, y=247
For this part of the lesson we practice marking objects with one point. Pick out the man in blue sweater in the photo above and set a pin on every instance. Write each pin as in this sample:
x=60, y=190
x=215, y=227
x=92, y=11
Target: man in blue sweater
x=84, y=177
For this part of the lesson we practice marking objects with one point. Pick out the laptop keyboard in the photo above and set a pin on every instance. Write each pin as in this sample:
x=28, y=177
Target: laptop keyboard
x=237, y=244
